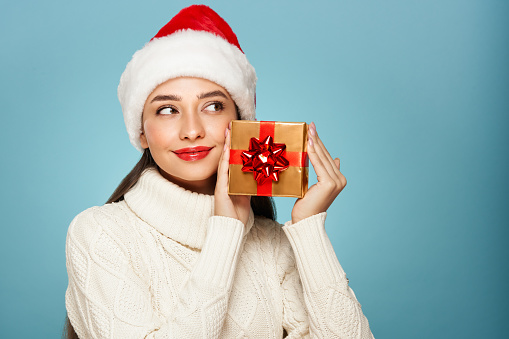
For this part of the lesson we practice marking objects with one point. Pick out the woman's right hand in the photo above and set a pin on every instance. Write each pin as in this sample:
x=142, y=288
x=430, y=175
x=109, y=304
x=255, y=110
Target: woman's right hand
x=233, y=206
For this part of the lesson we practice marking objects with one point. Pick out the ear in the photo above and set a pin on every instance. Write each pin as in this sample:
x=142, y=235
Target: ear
x=143, y=140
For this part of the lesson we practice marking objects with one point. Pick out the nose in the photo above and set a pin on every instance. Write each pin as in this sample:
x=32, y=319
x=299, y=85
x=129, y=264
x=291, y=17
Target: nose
x=192, y=127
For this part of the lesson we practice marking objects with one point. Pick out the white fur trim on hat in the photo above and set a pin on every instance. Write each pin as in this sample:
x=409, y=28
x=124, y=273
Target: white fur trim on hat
x=185, y=53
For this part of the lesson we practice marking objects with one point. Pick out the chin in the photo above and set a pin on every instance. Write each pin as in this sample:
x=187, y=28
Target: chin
x=197, y=177
x=189, y=176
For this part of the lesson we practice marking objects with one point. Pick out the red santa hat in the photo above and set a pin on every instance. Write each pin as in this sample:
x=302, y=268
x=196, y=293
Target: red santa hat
x=197, y=42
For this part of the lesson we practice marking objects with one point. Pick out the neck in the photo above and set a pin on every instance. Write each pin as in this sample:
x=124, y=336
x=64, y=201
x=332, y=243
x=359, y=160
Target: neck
x=205, y=186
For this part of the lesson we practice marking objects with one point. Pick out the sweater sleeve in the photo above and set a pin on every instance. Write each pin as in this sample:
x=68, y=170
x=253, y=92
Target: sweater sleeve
x=106, y=298
x=318, y=301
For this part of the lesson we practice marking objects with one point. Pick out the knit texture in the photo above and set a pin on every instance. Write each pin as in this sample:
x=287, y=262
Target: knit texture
x=160, y=265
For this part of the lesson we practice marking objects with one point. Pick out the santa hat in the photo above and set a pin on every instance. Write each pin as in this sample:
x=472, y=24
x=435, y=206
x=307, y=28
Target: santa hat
x=197, y=42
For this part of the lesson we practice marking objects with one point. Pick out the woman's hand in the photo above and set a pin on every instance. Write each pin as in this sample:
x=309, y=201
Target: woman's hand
x=330, y=180
x=233, y=206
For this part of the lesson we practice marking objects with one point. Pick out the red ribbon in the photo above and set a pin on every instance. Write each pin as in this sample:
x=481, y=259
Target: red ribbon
x=265, y=159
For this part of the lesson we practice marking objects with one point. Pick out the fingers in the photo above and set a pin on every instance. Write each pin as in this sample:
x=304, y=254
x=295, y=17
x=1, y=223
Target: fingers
x=341, y=176
x=316, y=161
x=322, y=150
x=325, y=159
x=336, y=162
x=222, y=170
x=320, y=157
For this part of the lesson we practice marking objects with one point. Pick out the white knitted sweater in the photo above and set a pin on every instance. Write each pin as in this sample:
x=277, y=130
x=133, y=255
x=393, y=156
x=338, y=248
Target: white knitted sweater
x=160, y=265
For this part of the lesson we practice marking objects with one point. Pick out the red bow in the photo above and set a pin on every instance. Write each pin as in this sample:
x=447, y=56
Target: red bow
x=265, y=159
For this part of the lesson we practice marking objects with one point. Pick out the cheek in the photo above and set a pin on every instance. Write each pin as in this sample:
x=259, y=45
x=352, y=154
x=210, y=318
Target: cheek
x=217, y=127
x=217, y=130
x=157, y=134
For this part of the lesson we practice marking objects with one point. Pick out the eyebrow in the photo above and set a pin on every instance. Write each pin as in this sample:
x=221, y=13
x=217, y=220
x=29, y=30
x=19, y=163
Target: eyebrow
x=212, y=94
x=167, y=97
x=172, y=97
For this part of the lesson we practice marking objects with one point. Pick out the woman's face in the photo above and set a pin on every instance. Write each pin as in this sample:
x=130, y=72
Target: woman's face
x=184, y=123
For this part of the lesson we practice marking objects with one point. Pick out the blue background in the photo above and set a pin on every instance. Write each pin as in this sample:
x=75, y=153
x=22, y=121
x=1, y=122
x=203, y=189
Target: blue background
x=413, y=96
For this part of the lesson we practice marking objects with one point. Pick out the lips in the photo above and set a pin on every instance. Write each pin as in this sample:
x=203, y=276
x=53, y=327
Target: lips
x=192, y=153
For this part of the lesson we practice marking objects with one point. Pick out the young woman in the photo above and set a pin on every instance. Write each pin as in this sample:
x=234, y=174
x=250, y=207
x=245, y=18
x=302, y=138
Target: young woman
x=172, y=255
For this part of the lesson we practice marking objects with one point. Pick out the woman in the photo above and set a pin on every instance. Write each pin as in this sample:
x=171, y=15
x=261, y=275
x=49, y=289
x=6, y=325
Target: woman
x=172, y=255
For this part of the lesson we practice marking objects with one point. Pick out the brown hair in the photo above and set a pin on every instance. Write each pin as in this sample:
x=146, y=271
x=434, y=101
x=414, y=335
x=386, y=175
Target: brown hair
x=262, y=206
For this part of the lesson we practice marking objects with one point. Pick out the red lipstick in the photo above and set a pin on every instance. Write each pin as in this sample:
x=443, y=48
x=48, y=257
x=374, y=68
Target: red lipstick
x=193, y=153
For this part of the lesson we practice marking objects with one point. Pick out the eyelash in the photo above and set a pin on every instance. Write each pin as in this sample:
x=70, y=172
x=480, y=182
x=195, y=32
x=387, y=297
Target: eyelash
x=219, y=109
x=160, y=109
x=219, y=103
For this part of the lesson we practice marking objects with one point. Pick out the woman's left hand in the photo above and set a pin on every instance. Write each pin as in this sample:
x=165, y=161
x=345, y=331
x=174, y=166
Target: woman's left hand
x=330, y=180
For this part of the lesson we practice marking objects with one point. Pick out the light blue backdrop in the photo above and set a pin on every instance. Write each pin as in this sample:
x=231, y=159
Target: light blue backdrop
x=413, y=96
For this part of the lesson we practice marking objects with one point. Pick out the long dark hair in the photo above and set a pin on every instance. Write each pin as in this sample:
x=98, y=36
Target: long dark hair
x=262, y=206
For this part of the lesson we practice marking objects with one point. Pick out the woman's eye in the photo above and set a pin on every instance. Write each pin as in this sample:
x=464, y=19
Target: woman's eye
x=166, y=110
x=214, y=107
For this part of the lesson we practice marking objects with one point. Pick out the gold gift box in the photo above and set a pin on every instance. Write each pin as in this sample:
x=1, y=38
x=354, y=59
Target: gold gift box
x=293, y=182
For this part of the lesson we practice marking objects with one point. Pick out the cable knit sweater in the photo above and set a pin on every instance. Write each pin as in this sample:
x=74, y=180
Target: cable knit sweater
x=160, y=265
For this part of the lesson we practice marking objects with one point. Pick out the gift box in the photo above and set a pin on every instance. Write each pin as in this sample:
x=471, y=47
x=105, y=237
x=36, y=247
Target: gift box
x=268, y=158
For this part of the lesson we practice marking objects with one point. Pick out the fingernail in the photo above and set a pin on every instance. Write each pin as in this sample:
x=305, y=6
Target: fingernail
x=310, y=142
x=312, y=129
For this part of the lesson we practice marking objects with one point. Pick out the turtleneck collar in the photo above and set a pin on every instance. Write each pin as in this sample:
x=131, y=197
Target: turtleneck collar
x=177, y=213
